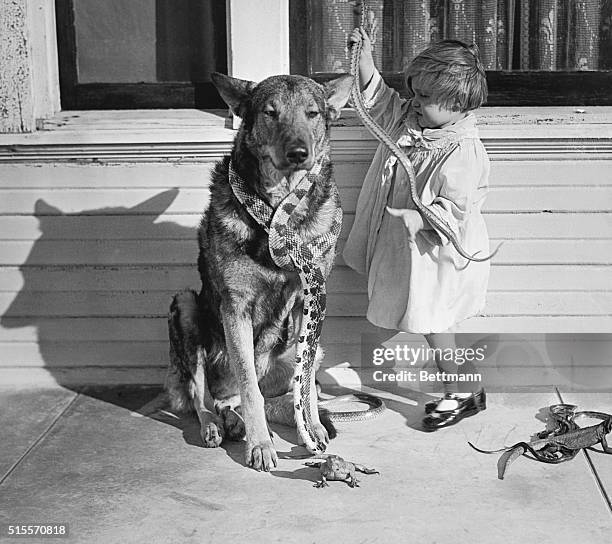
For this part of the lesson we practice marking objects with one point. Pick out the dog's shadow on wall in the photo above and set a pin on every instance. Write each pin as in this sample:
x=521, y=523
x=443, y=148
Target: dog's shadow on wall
x=96, y=286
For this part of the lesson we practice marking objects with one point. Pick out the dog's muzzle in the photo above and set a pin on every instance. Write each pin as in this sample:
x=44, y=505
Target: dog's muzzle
x=297, y=154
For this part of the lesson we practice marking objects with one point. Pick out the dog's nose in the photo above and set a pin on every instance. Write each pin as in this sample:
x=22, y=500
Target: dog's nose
x=297, y=154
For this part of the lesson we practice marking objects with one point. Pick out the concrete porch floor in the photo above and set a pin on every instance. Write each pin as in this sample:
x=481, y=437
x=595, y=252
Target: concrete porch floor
x=90, y=459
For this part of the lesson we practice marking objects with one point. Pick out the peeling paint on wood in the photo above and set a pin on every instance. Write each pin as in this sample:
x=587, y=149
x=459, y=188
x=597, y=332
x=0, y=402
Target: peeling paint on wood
x=16, y=86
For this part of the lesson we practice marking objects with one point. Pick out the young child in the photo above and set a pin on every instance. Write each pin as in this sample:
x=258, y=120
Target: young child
x=417, y=282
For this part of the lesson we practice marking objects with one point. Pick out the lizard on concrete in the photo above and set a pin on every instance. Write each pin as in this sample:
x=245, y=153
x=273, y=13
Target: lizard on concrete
x=333, y=467
x=558, y=448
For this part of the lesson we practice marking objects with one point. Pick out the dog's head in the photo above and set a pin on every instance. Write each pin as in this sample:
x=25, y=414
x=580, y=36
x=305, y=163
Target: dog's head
x=285, y=118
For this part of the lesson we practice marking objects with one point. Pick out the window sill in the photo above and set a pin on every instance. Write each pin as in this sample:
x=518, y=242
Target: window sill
x=195, y=135
x=531, y=122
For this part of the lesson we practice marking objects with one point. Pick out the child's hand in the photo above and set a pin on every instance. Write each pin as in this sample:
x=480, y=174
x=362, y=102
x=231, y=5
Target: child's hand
x=360, y=35
x=411, y=218
x=366, y=62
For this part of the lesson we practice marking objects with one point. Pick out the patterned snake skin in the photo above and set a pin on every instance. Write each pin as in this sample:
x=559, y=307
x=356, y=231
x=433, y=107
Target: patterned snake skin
x=427, y=212
x=290, y=253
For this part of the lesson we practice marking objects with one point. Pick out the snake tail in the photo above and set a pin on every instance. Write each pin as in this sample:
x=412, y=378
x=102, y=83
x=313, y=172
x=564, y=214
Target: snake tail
x=508, y=458
x=500, y=450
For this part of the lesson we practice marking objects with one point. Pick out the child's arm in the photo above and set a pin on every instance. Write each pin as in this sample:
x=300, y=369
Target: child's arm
x=459, y=184
x=384, y=104
x=366, y=62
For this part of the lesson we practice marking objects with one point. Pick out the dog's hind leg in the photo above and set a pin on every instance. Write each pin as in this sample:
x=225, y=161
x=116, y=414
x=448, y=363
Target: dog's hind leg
x=211, y=425
x=186, y=378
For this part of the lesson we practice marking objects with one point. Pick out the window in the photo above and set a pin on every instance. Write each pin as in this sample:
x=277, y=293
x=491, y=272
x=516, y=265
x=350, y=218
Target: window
x=538, y=52
x=119, y=54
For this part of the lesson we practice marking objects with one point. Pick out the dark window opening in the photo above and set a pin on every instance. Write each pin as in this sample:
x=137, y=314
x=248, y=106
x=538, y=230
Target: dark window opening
x=128, y=54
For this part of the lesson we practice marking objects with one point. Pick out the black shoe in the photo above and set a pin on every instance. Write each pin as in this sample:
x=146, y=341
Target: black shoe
x=469, y=406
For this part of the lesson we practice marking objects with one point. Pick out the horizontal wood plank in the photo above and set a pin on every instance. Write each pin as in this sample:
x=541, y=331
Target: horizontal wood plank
x=504, y=173
x=543, y=252
x=184, y=226
x=342, y=279
x=184, y=252
x=130, y=201
x=336, y=330
x=506, y=304
x=348, y=173
x=106, y=202
x=155, y=303
x=104, y=176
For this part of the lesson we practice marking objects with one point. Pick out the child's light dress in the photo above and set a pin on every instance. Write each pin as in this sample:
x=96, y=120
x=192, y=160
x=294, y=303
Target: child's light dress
x=421, y=286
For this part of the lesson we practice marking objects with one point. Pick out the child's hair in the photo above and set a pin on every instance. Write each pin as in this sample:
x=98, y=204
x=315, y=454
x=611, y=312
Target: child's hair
x=452, y=72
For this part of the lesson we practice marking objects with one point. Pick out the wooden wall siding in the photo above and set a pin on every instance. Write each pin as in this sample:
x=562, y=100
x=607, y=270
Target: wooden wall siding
x=90, y=255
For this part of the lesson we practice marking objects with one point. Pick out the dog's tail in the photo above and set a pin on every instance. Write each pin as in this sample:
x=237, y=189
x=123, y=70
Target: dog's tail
x=184, y=333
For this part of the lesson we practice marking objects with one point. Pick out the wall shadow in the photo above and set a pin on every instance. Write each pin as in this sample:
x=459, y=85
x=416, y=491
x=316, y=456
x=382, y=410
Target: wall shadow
x=92, y=251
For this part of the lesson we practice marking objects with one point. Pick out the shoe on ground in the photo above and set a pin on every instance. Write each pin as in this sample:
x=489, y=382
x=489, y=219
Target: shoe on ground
x=468, y=406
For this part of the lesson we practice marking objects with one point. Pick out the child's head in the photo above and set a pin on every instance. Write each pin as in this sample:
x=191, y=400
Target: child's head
x=447, y=80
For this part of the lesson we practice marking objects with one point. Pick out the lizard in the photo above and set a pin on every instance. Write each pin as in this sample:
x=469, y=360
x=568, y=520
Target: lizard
x=555, y=448
x=333, y=467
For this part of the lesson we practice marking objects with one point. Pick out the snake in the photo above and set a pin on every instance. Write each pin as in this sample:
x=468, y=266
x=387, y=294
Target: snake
x=290, y=252
x=376, y=407
x=379, y=133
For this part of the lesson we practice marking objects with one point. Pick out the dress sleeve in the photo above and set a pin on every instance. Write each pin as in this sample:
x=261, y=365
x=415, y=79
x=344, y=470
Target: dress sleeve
x=382, y=102
x=458, y=186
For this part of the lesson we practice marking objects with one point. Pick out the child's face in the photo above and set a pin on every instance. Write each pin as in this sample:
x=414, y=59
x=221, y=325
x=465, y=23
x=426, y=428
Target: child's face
x=430, y=114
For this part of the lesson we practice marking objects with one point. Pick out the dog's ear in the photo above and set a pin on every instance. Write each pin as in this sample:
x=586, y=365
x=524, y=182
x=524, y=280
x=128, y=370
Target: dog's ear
x=233, y=90
x=337, y=92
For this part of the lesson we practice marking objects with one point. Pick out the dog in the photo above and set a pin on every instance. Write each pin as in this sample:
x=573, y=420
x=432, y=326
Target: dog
x=233, y=345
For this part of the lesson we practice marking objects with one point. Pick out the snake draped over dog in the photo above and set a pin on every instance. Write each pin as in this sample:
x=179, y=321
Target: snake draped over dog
x=290, y=253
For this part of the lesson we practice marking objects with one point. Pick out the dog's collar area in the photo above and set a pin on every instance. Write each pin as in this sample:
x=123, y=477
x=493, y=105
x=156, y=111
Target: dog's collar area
x=286, y=248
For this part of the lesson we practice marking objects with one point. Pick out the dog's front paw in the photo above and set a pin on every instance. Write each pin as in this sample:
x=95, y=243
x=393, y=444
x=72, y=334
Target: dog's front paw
x=261, y=456
x=321, y=433
x=233, y=424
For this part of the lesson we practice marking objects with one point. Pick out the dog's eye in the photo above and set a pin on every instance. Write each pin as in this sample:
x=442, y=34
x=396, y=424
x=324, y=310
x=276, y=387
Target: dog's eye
x=312, y=114
x=271, y=113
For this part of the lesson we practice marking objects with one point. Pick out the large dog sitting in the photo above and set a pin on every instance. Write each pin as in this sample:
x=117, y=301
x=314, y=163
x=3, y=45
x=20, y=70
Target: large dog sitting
x=234, y=344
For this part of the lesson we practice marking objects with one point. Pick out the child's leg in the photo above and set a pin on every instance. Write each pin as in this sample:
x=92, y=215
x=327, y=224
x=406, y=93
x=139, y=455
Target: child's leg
x=467, y=398
x=446, y=343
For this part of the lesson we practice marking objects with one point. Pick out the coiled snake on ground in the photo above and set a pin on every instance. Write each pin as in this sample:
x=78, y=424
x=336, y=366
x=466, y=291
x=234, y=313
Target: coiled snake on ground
x=427, y=212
